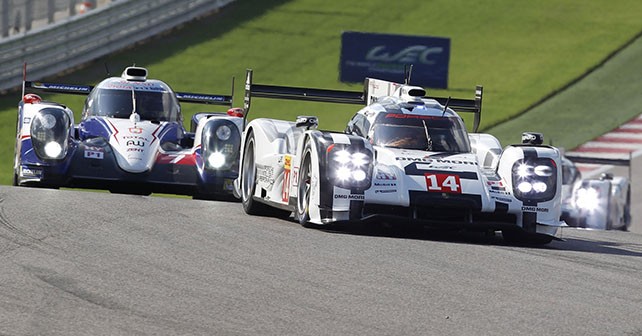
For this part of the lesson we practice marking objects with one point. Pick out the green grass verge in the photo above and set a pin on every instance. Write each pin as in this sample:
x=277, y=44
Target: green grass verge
x=520, y=51
x=600, y=102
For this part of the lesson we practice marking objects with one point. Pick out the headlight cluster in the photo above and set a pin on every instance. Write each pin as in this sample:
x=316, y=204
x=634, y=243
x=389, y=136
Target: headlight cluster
x=221, y=142
x=349, y=167
x=535, y=180
x=587, y=199
x=50, y=133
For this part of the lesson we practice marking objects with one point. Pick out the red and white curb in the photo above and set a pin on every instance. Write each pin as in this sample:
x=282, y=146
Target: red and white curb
x=622, y=143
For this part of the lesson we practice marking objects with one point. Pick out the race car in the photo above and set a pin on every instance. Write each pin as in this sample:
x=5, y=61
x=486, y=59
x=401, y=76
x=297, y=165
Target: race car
x=403, y=158
x=602, y=202
x=130, y=139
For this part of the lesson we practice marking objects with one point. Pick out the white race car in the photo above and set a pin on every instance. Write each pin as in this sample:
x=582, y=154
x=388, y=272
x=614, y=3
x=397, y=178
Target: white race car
x=601, y=203
x=402, y=158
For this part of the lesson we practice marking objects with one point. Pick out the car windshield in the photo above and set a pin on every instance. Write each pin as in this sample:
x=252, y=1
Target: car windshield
x=150, y=105
x=430, y=133
x=570, y=174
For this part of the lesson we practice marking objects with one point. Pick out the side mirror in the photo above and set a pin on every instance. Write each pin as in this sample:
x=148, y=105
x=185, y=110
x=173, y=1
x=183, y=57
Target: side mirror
x=532, y=138
x=307, y=121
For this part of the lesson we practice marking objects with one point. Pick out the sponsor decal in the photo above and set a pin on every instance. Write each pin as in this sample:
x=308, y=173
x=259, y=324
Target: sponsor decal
x=295, y=177
x=135, y=130
x=137, y=143
x=93, y=154
x=383, y=175
x=436, y=161
x=359, y=197
x=385, y=184
x=502, y=199
x=534, y=209
x=63, y=87
x=411, y=116
x=444, y=183
x=30, y=172
x=499, y=192
x=228, y=184
x=496, y=186
x=287, y=165
x=383, y=56
x=385, y=191
x=265, y=174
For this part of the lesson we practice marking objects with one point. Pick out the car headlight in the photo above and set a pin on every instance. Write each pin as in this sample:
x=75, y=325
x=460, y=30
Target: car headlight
x=223, y=133
x=587, y=199
x=349, y=167
x=53, y=149
x=535, y=180
x=50, y=133
x=216, y=160
x=221, y=141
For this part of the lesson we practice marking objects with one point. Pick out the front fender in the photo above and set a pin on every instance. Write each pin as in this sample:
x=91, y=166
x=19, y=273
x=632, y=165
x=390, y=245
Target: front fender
x=534, y=177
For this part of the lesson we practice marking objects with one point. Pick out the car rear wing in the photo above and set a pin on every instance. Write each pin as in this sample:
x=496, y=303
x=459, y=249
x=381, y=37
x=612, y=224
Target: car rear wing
x=186, y=97
x=350, y=97
x=619, y=161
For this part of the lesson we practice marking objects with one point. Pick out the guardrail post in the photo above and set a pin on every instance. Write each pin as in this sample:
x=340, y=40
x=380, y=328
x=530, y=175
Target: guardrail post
x=5, y=18
x=28, y=14
x=51, y=10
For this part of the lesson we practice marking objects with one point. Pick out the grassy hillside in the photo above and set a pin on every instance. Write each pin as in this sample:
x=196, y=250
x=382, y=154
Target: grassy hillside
x=521, y=51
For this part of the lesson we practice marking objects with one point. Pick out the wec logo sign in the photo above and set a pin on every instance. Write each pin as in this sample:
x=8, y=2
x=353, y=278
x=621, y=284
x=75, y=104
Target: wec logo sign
x=409, y=55
x=385, y=56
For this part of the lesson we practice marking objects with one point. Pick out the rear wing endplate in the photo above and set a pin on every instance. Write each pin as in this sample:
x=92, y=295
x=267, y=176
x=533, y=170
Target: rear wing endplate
x=349, y=97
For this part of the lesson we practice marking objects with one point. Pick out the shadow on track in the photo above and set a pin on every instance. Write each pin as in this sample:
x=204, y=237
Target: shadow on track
x=590, y=243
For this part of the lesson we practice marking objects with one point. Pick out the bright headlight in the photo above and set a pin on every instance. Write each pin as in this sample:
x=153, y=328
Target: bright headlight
x=543, y=170
x=587, y=199
x=223, y=133
x=359, y=175
x=523, y=170
x=342, y=156
x=525, y=187
x=53, y=149
x=359, y=159
x=216, y=160
x=343, y=173
x=539, y=187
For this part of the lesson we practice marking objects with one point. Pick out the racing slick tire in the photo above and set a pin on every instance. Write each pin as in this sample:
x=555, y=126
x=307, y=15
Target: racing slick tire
x=302, y=211
x=521, y=237
x=248, y=185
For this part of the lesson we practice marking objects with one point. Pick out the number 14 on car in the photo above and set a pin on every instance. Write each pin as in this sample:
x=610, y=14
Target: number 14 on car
x=443, y=183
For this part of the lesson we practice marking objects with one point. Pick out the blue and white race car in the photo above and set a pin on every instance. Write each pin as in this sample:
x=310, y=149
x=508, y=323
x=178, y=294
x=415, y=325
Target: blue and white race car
x=403, y=158
x=130, y=139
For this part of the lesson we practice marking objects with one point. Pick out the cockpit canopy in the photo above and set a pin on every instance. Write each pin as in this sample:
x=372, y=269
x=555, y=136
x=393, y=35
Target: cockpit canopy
x=114, y=97
x=422, y=132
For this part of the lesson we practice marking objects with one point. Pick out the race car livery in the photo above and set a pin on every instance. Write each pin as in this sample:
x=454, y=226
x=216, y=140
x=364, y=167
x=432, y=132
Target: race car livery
x=403, y=158
x=602, y=202
x=130, y=139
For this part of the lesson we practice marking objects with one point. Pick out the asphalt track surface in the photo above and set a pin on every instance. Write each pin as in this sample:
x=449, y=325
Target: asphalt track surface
x=89, y=263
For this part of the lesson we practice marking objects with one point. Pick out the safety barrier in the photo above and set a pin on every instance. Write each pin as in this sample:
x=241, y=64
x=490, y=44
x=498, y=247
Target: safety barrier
x=82, y=38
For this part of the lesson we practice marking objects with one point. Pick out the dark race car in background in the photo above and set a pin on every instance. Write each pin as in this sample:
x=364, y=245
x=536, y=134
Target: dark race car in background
x=602, y=202
x=130, y=139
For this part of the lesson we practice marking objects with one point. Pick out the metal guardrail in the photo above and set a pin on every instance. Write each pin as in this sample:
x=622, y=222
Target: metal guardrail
x=82, y=38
